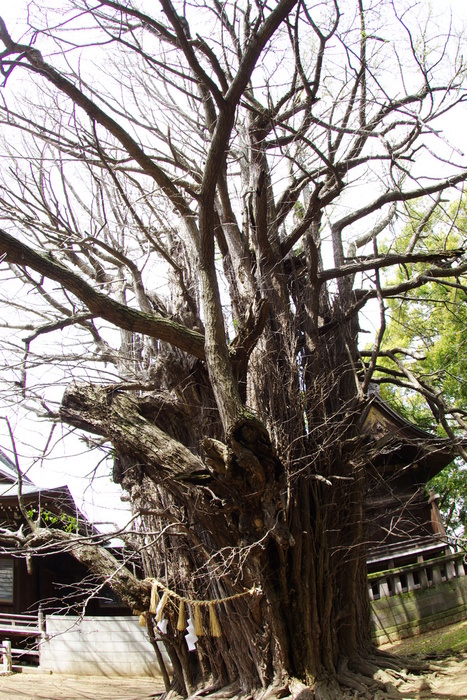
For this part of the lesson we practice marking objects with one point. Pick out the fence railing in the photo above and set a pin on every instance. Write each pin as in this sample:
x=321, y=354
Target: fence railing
x=25, y=631
x=421, y=574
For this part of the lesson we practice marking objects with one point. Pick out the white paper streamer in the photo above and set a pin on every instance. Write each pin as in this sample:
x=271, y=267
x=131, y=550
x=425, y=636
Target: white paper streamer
x=162, y=626
x=190, y=636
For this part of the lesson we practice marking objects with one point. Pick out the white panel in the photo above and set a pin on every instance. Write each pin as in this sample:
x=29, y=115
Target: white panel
x=98, y=645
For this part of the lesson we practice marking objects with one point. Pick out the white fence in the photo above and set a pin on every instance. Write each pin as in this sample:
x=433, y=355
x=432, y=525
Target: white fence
x=20, y=637
x=111, y=646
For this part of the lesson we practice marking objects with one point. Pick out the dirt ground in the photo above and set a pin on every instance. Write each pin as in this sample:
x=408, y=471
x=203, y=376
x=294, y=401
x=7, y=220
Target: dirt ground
x=42, y=686
x=447, y=682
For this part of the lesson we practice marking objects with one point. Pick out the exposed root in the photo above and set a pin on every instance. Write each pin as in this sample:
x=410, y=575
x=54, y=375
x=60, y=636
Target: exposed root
x=228, y=691
x=327, y=689
x=172, y=694
x=359, y=677
x=351, y=681
x=403, y=664
x=386, y=660
x=417, y=666
x=300, y=691
x=334, y=688
x=376, y=676
x=278, y=691
x=212, y=690
x=364, y=667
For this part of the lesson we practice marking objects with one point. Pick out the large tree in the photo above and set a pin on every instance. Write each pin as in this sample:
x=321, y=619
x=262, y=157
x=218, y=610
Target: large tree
x=192, y=199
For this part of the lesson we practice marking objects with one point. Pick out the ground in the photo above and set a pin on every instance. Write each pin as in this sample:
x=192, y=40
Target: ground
x=447, y=682
x=445, y=650
x=42, y=686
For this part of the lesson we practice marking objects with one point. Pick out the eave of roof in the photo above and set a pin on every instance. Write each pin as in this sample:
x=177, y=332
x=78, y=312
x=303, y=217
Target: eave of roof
x=397, y=441
x=9, y=471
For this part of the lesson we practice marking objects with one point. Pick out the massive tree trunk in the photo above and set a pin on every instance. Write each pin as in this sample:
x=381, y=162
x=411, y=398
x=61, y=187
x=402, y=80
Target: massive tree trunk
x=278, y=516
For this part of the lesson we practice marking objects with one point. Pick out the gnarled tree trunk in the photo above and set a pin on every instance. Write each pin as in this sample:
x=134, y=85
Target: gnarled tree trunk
x=280, y=514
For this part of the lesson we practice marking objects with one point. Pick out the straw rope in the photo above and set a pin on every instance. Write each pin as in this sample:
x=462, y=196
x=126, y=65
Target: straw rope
x=157, y=605
x=191, y=601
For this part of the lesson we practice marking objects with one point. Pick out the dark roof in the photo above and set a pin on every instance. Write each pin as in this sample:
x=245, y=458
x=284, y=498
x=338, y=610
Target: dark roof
x=58, y=500
x=398, y=441
x=9, y=472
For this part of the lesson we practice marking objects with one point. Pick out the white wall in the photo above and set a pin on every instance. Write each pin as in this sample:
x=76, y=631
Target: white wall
x=97, y=645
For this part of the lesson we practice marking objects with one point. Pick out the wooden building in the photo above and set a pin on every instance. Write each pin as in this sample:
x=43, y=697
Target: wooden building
x=416, y=580
x=403, y=520
x=50, y=614
x=56, y=582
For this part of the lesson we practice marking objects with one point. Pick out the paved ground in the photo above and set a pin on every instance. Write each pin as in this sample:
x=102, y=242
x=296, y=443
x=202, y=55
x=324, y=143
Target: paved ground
x=41, y=686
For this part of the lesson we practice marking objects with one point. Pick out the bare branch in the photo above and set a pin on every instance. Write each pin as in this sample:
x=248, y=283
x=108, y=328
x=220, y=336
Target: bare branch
x=101, y=305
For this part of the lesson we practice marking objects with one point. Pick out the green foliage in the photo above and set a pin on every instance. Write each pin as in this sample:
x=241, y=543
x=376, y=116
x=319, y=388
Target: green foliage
x=434, y=324
x=451, y=486
x=299, y=211
x=436, y=642
x=431, y=323
x=64, y=522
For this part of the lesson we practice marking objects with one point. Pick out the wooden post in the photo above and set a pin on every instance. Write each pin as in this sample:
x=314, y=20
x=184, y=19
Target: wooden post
x=6, y=656
x=437, y=577
x=450, y=570
x=41, y=623
x=384, y=589
x=423, y=578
